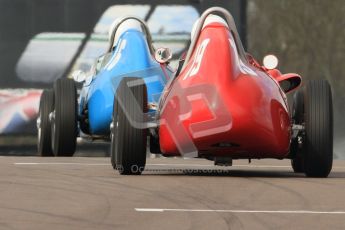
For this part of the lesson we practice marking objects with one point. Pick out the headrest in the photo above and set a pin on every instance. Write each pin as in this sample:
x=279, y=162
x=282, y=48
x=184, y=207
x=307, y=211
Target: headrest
x=125, y=26
x=212, y=18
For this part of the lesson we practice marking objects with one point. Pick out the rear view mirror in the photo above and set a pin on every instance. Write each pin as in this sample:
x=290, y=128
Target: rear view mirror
x=290, y=81
x=79, y=76
x=270, y=62
x=163, y=55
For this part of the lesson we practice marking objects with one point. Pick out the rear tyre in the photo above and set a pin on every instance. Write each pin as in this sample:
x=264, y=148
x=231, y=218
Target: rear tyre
x=318, y=140
x=43, y=124
x=64, y=122
x=297, y=161
x=128, y=147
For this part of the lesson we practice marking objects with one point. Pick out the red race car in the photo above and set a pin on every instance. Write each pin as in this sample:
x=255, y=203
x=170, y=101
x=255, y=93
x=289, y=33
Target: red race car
x=223, y=105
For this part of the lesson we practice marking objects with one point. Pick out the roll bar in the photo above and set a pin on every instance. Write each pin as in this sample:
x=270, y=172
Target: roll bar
x=232, y=27
x=146, y=30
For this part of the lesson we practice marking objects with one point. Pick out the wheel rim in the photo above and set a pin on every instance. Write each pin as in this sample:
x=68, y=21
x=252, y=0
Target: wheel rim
x=39, y=129
x=115, y=136
x=116, y=141
x=116, y=133
x=112, y=141
x=53, y=130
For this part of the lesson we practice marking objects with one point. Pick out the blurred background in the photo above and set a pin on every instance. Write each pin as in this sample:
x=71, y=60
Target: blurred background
x=308, y=37
x=42, y=40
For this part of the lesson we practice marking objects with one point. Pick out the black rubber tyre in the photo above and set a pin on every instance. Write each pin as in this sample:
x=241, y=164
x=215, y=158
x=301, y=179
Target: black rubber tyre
x=128, y=147
x=44, y=140
x=318, y=140
x=297, y=162
x=64, y=124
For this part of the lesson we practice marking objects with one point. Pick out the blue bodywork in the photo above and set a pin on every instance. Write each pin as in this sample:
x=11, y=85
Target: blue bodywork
x=130, y=58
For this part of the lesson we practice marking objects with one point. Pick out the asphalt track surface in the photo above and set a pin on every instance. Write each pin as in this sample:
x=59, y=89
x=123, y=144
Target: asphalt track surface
x=86, y=193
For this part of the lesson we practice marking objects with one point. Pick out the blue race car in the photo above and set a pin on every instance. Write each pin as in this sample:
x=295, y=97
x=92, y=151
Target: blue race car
x=130, y=56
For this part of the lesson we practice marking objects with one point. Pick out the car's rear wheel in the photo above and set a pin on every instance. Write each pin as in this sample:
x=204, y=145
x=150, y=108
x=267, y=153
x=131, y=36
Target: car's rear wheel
x=43, y=124
x=297, y=161
x=128, y=147
x=318, y=140
x=64, y=121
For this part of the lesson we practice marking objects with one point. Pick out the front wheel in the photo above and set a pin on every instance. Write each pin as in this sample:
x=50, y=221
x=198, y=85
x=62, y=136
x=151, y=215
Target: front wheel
x=318, y=140
x=43, y=124
x=128, y=139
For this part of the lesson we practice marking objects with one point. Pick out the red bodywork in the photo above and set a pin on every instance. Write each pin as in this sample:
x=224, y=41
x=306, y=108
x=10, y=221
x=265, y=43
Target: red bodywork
x=221, y=105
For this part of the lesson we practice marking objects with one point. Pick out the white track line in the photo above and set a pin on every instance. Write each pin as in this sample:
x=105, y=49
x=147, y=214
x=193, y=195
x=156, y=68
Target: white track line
x=239, y=211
